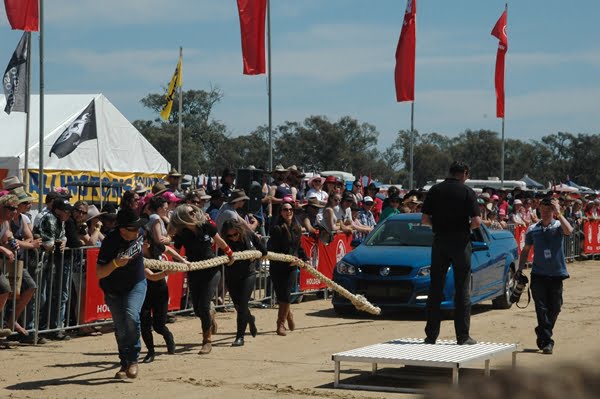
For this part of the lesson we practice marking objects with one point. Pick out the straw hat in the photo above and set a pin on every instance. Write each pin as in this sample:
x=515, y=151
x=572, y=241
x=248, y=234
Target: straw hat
x=8, y=183
x=236, y=196
x=294, y=170
x=158, y=188
x=279, y=169
x=201, y=193
x=140, y=188
x=93, y=212
x=174, y=173
x=22, y=195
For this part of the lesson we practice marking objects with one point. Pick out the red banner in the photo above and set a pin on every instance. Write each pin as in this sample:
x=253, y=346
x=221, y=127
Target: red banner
x=93, y=297
x=22, y=14
x=404, y=72
x=252, y=27
x=591, y=233
x=520, y=237
x=323, y=258
x=499, y=31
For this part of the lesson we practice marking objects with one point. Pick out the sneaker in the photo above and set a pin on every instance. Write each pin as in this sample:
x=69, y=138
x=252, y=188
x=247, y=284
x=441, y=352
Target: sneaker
x=28, y=339
x=467, y=341
x=429, y=341
x=60, y=336
x=547, y=350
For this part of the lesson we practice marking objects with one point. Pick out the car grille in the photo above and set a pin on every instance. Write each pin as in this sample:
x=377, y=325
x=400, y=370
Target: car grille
x=386, y=291
x=394, y=270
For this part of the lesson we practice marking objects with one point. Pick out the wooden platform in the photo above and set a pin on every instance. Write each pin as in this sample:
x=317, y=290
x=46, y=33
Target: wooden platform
x=413, y=352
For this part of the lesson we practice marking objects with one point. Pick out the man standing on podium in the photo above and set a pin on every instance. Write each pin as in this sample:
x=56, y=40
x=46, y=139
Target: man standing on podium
x=451, y=209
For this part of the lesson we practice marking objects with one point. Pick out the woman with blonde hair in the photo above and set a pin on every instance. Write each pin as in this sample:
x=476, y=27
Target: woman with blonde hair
x=192, y=230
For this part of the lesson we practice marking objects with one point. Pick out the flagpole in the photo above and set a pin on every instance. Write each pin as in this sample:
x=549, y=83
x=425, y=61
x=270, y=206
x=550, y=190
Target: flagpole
x=27, y=118
x=412, y=145
x=180, y=107
x=41, y=144
x=98, y=150
x=502, y=149
x=269, y=85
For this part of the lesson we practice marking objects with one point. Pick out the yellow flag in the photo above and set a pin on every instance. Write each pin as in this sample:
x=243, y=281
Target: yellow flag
x=175, y=82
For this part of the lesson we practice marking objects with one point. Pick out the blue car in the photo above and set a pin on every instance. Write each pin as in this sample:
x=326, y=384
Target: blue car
x=391, y=267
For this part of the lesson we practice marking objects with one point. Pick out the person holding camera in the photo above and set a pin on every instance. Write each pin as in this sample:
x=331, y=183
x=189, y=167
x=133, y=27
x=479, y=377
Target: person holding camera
x=549, y=268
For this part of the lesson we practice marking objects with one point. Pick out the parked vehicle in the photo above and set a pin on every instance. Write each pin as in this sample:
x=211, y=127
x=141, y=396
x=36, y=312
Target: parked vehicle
x=391, y=267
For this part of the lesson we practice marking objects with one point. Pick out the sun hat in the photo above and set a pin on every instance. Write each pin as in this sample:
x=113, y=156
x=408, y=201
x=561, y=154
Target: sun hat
x=22, y=195
x=158, y=188
x=368, y=199
x=170, y=197
x=315, y=178
x=495, y=198
x=518, y=202
x=201, y=193
x=174, y=173
x=279, y=169
x=11, y=182
x=294, y=170
x=140, y=188
x=237, y=196
x=93, y=212
x=314, y=202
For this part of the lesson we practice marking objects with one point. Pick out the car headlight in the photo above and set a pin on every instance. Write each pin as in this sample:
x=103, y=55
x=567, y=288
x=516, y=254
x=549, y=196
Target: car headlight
x=345, y=268
x=424, y=271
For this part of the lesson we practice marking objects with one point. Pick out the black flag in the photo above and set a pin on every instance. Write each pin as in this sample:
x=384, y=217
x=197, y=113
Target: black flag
x=81, y=129
x=15, y=78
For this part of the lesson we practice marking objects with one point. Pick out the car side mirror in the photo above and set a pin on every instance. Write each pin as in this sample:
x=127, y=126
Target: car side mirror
x=479, y=246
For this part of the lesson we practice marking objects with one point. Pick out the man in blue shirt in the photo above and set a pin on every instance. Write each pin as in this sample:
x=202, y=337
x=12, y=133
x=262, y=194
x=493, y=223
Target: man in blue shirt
x=549, y=268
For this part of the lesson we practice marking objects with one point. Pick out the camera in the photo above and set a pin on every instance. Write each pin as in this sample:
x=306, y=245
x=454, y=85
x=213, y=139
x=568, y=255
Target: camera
x=520, y=283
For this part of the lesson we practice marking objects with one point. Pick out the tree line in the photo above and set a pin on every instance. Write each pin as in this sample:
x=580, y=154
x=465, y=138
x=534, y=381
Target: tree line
x=317, y=143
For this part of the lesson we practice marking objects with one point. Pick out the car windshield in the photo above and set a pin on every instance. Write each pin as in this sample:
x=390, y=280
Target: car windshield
x=401, y=233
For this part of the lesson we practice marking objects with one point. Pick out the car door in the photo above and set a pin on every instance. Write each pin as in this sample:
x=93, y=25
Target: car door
x=481, y=262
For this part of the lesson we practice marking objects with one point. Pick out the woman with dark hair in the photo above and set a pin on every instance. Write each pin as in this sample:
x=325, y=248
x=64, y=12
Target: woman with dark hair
x=130, y=200
x=240, y=276
x=155, y=307
x=227, y=182
x=285, y=239
x=192, y=230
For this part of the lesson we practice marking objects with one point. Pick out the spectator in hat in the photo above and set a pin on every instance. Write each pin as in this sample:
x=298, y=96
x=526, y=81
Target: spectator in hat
x=359, y=230
x=173, y=201
x=227, y=179
x=279, y=189
x=197, y=197
x=343, y=212
x=174, y=180
x=372, y=191
x=312, y=217
x=315, y=190
x=52, y=232
x=94, y=226
x=20, y=226
x=140, y=190
x=217, y=198
x=393, y=207
x=11, y=182
x=158, y=188
x=515, y=216
x=365, y=215
x=333, y=185
x=294, y=179
x=411, y=203
x=231, y=210
x=8, y=209
x=120, y=269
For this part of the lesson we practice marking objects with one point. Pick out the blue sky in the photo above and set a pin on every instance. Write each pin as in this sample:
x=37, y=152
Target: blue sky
x=335, y=58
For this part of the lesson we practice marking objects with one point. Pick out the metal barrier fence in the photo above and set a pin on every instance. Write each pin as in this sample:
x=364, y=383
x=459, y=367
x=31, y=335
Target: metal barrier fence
x=572, y=244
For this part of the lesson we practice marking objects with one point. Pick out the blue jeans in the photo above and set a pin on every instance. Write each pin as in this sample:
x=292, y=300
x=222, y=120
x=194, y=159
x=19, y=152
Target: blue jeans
x=125, y=309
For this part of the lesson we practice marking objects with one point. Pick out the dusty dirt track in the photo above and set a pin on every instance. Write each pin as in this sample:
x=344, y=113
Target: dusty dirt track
x=296, y=366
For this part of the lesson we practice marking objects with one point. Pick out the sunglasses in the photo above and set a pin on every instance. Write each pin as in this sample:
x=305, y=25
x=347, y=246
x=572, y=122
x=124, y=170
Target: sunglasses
x=337, y=199
x=287, y=210
x=10, y=208
x=79, y=211
x=132, y=229
x=233, y=235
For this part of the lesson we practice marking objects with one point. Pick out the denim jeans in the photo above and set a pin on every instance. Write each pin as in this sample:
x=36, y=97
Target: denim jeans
x=125, y=309
x=547, y=296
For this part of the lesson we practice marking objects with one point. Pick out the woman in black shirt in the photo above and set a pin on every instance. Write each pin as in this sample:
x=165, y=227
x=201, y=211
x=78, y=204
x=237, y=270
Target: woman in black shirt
x=240, y=276
x=191, y=229
x=285, y=238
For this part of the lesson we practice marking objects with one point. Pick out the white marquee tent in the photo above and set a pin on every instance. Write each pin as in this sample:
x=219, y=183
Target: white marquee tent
x=122, y=147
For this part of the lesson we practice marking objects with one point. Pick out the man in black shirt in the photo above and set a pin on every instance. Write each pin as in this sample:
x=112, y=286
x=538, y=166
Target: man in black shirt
x=451, y=209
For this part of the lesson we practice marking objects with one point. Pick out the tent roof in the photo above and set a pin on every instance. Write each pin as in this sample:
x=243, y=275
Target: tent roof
x=120, y=146
x=530, y=183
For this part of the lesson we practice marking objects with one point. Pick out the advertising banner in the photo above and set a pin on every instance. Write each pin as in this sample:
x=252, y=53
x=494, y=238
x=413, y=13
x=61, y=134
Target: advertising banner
x=323, y=258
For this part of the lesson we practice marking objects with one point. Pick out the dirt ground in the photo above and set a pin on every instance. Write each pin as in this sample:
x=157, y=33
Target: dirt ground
x=296, y=366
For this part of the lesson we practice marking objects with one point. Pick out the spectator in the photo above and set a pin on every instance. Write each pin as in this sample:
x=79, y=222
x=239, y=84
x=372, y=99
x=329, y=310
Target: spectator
x=94, y=226
x=130, y=200
x=285, y=238
x=240, y=276
x=216, y=201
x=172, y=201
x=365, y=215
x=316, y=189
x=333, y=185
x=235, y=202
x=52, y=232
x=8, y=208
x=392, y=208
x=360, y=230
x=294, y=179
x=372, y=191
x=313, y=217
x=411, y=203
x=343, y=212
x=227, y=179
x=140, y=190
x=174, y=181
x=357, y=195
x=198, y=198
x=279, y=189
x=48, y=201
x=515, y=216
x=108, y=218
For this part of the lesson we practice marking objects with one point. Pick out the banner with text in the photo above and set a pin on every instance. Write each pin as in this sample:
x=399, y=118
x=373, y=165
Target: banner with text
x=323, y=258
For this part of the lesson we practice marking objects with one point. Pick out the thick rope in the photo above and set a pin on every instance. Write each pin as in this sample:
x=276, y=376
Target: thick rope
x=360, y=302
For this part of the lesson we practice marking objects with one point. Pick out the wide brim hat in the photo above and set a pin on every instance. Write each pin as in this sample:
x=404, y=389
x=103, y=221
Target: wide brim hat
x=140, y=188
x=237, y=196
x=174, y=173
x=128, y=218
x=93, y=212
x=201, y=193
x=315, y=178
x=314, y=202
x=217, y=194
x=279, y=169
x=11, y=182
x=158, y=188
x=411, y=200
x=22, y=195
x=294, y=170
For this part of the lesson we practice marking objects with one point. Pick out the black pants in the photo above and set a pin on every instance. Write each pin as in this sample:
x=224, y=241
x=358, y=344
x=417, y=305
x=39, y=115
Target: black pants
x=446, y=249
x=154, y=312
x=240, y=286
x=284, y=279
x=547, y=296
x=203, y=285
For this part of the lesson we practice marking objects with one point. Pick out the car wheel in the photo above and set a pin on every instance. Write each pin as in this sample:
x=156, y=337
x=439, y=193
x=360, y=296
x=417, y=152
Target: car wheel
x=503, y=301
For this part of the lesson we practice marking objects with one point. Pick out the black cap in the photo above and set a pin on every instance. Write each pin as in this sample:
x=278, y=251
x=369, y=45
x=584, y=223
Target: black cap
x=546, y=201
x=62, y=204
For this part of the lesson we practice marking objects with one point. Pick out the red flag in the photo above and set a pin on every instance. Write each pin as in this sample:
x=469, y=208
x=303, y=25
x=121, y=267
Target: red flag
x=499, y=31
x=22, y=14
x=404, y=74
x=252, y=25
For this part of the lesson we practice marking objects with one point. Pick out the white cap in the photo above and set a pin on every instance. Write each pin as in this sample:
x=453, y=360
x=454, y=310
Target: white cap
x=368, y=199
x=517, y=202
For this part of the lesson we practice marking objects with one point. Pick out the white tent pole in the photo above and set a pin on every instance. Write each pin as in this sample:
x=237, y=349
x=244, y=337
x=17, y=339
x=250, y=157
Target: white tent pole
x=99, y=159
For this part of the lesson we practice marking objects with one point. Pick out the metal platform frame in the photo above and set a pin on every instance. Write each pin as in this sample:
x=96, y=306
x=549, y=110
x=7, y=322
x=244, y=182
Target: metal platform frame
x=414, y=352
